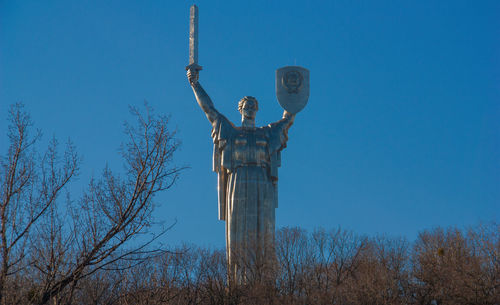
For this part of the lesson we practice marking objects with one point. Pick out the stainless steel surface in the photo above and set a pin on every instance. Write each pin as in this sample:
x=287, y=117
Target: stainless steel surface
x=193, y=39
x=292, y=88
x=193, y=35
x=246, y=160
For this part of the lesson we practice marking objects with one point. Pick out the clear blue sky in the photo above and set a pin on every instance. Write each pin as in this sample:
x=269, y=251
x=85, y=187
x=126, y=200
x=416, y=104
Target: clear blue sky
x=401, y=133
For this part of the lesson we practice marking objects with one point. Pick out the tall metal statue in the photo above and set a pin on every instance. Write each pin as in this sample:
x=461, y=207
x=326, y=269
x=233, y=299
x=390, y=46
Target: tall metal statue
x=246, y=160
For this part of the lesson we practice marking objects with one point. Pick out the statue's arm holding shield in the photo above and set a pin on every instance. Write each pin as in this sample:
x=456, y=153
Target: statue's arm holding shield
x=292, y=91
x=287, y=119
x=279, y=131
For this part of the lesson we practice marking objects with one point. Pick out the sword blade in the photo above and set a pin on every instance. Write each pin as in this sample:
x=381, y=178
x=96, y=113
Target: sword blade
x=193, y=35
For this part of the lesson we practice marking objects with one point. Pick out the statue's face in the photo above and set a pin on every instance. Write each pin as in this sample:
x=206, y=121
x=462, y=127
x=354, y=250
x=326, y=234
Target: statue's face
x=249, y=109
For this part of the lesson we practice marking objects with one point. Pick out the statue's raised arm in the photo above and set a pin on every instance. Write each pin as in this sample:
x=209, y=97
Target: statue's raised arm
x=202, y=97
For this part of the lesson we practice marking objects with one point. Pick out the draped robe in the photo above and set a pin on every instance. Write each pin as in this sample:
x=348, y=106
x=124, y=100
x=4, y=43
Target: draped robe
x=247, y=160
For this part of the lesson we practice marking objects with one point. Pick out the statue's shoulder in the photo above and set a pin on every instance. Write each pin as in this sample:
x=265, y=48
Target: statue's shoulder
x=222, y=121
x=222, y=128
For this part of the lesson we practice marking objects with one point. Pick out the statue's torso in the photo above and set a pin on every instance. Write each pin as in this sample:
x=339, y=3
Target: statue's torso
x=251, y=147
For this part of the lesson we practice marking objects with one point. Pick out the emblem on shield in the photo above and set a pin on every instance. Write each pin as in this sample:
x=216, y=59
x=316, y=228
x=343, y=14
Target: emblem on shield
x=292, y=88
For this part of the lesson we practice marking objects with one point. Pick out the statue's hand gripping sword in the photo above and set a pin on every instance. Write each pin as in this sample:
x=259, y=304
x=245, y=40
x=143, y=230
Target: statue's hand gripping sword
x=193, y=40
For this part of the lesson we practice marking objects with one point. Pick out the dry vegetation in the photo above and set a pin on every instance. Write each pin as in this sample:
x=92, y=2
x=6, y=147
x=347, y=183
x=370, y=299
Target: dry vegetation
x=323, y=267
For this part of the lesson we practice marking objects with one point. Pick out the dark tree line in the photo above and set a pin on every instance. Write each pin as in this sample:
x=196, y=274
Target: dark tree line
x=56, y=250
x=443, y=266
x=324, y=267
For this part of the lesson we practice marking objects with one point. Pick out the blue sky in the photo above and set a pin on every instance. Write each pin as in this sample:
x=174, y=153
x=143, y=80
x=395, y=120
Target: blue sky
x=401, y=132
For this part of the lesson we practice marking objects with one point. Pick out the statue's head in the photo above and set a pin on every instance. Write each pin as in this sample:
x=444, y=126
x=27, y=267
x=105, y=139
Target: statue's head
x=248, y=107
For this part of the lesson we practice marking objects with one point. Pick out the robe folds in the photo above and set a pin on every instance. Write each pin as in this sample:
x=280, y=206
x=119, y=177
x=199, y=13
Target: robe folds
x=247, y=160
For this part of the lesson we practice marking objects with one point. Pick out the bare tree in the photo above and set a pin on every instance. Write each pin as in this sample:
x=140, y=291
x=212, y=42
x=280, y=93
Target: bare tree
x=30, y=185
x=451, y=267
x=55, y=246
x=376, y=271
x=383, y=274
x=484, y=240
x=294, y=255
x=213, y=267
x=110, y=224
x=337, y=254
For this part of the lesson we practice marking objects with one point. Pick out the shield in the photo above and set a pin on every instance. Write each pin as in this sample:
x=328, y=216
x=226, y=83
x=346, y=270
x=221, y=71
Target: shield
x=292, y=88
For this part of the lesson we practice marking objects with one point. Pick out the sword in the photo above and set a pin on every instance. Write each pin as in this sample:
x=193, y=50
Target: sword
x=193, y=40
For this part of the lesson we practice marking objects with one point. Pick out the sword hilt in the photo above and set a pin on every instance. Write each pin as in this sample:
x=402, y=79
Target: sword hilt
x=194, y=67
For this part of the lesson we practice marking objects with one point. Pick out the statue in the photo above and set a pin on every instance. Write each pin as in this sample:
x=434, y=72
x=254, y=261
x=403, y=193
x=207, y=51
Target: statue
x=246, y=160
